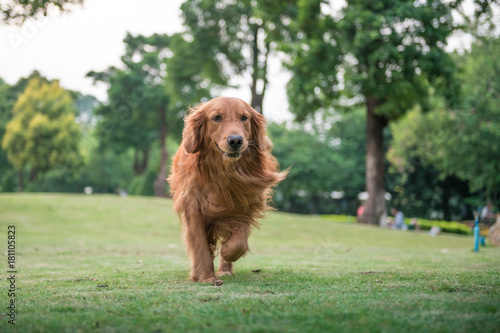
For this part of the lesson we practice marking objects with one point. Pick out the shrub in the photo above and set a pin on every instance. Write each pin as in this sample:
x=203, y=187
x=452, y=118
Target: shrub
x=450, y=227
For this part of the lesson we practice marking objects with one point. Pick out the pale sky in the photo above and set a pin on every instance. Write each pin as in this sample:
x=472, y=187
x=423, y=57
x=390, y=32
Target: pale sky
x=68, y=46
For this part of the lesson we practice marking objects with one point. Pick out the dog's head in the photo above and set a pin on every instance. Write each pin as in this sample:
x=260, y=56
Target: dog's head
x=226, y=125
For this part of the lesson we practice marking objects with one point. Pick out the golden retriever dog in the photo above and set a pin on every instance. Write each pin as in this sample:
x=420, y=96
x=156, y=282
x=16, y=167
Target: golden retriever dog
x=221, y=181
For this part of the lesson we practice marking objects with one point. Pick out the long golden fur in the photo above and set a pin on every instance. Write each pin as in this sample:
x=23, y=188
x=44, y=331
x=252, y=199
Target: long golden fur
x=221, y=181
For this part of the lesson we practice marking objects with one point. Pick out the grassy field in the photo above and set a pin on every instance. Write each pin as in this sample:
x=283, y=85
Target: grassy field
x=109, y=264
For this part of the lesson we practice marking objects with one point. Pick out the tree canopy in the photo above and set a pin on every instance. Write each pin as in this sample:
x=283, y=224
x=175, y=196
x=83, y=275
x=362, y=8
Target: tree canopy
x=42, y=133
x=145, y=104
x=383, y=54
x=462, y=141
x=234, y=39
x=325, y=163
x=135, y=94
x=18, y=11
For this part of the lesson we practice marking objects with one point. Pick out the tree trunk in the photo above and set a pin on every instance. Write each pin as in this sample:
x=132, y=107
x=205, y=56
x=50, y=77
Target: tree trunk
x=375, y=206
x=136, y=161
x=145, y=159
x=257, y=101
x=33, y=175
x=445, y=200
x=259, y=72
x=314, y=204
x=140, y=165
x=159, y=183
x=20, y=184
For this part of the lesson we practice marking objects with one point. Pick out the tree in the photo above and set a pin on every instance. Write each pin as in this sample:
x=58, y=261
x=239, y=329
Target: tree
x=422, y=190
x=43, y=133
x=106, y=170
x=464, y=141
x=5, y=116
x=8, y=97
x=325, y=162
x=310, y=177
x=20, y=10
x=234, y=38
x=349, y=141
x=382, y=53
x=124, y=122
x=140, y=109
x=135, y=114
x=185, y=83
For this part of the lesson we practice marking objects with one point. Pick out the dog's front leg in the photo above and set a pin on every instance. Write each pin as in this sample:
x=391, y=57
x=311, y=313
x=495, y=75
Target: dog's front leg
x=202, y=259
x=225, y=268
x=233, y=249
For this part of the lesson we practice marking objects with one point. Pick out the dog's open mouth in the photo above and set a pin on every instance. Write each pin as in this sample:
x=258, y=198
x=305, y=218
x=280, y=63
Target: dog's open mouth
x=234, y=154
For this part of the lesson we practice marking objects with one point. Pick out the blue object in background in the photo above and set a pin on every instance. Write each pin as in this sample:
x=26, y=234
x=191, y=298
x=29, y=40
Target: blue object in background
x=476, y=236
x=476, y=230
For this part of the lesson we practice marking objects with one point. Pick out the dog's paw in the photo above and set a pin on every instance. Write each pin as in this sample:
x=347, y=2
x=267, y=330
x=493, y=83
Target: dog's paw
x=223, y=273
x=217, y=282
x=213, y=281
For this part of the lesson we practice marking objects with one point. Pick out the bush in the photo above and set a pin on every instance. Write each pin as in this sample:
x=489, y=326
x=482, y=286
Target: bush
x=450, y=227
x=9, y=181
x=340, y=218
x=142, y=184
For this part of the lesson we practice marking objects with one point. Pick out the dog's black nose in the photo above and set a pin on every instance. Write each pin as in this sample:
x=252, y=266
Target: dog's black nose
x=235, y=141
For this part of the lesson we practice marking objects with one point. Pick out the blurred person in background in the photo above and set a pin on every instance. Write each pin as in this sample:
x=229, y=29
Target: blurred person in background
x=487, y=214
x=414, y=224
x=399, y=219
x=360, y=211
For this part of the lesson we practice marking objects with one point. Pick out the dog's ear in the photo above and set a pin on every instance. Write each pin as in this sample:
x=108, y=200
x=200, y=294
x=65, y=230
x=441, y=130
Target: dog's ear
x=258, y=130
x=194, y=130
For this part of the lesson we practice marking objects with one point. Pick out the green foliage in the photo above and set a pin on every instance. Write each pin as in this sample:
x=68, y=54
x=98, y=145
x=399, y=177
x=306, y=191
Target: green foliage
x=384, y=54
x=140, y=110
x=106, y=171
x=311, y=160
x=423, y=191
x=5, y=116
x=349, y=136
x=386, y=50
x=462, y=142
x=142, y=184
x=323, y=158
x=135, y=94
x=8, y=97
x=8, y=182
x=184, y=82
x=20, y=10
x=339, y=218
x=42, y=133
x=235, y=38
x=85, y=106
x=62, y=178
x=445, y=226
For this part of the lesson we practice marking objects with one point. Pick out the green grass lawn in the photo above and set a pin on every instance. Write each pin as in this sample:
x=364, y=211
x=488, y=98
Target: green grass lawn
x=102, y=263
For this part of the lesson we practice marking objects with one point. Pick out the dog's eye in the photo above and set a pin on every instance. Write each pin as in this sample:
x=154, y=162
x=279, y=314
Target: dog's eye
x=217, y=119
x=244, y=118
